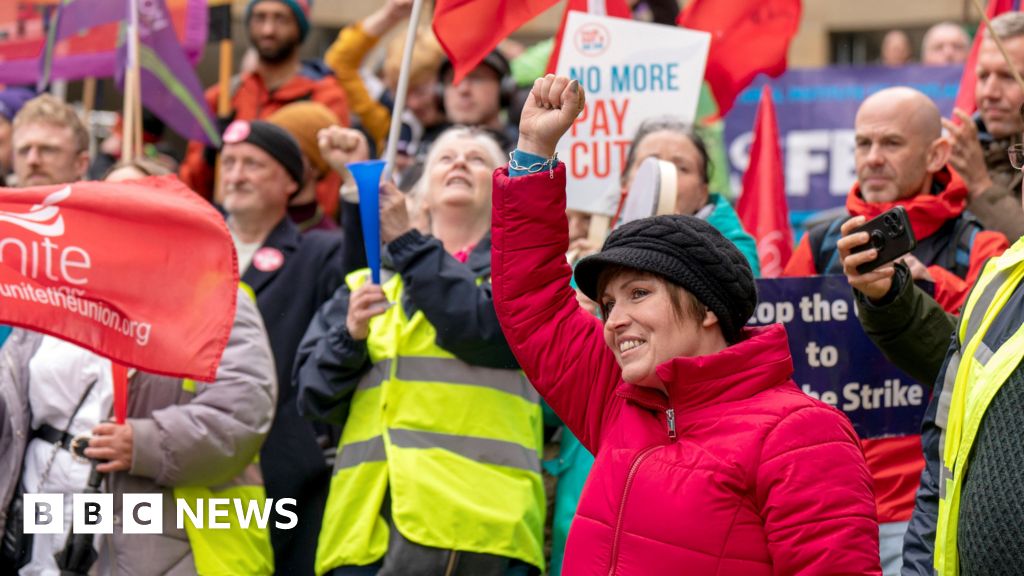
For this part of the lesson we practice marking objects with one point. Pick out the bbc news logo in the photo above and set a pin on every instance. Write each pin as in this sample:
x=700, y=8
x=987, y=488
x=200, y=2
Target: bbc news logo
x=144, y=513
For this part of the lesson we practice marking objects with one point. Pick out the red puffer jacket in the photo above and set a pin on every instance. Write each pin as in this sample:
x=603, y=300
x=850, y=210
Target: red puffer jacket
x=734, y=472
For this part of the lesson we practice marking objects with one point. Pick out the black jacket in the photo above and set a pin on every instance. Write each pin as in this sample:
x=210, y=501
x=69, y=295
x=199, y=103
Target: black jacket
x=292, y=460
x=330, y=363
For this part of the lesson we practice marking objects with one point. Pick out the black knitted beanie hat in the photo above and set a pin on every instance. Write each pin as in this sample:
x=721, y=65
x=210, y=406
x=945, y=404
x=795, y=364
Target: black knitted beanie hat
x=273, y=140
x=686, y=251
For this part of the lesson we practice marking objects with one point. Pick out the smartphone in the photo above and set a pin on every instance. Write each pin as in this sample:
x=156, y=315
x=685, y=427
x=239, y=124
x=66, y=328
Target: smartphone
x=889, y=233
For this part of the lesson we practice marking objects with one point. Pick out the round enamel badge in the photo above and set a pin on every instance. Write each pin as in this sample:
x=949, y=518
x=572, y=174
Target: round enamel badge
x=267, y=259
x=236, y=132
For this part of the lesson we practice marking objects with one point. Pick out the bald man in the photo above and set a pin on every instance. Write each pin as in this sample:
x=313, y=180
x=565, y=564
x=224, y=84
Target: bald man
x=901, y=158
x=944, y=44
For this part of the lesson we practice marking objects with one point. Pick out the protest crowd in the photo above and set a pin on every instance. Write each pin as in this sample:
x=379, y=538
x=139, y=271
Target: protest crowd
x=552, y=338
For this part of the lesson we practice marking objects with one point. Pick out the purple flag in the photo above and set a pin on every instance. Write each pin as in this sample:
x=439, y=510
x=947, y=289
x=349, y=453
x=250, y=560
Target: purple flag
x=170, y=88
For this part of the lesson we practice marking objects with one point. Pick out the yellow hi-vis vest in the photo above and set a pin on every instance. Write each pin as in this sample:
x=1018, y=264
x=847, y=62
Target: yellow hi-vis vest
x=973, y=377
x=238, y=550
x=458, y=447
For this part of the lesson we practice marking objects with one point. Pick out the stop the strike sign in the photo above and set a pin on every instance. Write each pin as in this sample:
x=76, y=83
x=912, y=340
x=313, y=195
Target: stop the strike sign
x=631, y=71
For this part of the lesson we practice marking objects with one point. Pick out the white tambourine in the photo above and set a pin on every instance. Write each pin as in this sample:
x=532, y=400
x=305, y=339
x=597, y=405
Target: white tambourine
x=653, y=192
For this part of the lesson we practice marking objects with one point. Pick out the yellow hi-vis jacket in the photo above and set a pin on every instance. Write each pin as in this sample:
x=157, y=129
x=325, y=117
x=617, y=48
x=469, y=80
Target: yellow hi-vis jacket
x=978, y=373
x=238, y=550
x=458, y=447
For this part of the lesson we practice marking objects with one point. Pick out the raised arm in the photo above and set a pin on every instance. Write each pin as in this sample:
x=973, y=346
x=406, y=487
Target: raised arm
x=559, y=345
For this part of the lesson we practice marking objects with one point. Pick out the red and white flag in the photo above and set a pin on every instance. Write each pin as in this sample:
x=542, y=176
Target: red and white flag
x=141, y=272
x=762, y=206
x=616, y=8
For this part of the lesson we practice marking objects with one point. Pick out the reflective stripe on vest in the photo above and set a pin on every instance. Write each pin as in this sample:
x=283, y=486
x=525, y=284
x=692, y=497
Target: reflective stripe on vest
x=240, y=549
x=979, y=373
x=446, y=439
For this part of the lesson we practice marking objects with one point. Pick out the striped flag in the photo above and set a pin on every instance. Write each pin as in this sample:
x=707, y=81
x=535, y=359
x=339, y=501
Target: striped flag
x=616, y=8
x=170, y=88
x=72, y=17
x=78, y=50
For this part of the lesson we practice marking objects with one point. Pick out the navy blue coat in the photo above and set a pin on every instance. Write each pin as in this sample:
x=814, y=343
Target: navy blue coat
x=292, y=460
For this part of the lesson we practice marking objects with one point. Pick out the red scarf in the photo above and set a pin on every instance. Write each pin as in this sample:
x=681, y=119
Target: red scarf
x=927, y=212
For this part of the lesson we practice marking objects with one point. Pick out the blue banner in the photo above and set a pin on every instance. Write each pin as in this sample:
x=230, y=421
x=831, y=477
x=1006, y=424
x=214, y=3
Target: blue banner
x=835, y=361
x=816, y=109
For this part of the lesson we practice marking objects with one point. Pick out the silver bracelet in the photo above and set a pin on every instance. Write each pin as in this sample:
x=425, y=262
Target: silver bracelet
x=536, y=166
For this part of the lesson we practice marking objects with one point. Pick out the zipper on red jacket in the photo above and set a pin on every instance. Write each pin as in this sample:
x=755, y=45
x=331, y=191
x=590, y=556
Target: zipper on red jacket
x=622, y=505
x=670, y=415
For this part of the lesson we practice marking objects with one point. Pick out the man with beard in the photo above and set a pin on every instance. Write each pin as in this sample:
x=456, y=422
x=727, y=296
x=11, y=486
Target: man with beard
x=276, y=31
x=981, y=142
x=901, y=159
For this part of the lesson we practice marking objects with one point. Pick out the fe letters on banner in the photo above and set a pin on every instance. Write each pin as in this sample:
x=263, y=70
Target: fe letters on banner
x=816, y=110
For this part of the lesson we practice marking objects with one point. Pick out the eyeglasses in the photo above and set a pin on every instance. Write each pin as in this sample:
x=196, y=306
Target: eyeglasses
x=1016, y=153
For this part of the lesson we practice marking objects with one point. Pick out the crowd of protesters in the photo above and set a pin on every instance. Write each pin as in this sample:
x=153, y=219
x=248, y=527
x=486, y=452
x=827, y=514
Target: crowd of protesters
x=409, y=419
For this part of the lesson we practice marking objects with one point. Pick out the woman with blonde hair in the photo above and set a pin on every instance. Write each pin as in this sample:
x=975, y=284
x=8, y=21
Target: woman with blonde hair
x=438, y=468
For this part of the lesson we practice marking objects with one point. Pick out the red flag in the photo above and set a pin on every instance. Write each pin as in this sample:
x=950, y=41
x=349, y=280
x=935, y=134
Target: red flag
x=469, y=29
x=142, y=272
x=616, y=8
x=969, y=79
x=748, y=37
x=762, y=206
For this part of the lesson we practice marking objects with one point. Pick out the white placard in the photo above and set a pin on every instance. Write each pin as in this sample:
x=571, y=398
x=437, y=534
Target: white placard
x=630, y=71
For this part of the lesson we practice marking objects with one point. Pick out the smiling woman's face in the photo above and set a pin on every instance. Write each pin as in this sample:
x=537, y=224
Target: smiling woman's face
x=644, y=328
x=460, y=175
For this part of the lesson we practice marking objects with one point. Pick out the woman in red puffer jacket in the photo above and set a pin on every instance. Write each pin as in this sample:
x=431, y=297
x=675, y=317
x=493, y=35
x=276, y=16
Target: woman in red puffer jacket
x=709, y=460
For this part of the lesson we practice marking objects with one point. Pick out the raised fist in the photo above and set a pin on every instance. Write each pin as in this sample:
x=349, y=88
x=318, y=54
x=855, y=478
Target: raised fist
x=550, y=110
x=339, y=146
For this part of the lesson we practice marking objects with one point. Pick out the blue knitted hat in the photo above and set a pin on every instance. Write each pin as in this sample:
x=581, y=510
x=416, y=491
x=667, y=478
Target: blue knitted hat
x=300, y=8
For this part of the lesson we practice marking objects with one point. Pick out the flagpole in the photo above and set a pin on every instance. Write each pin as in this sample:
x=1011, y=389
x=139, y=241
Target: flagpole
x=223, y=101
x=88, y=97
x=131, y=112
x=136, y=78
x=403, y=86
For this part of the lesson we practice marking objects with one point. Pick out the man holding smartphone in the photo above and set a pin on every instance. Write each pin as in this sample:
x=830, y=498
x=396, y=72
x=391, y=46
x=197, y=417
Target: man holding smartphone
x=966, y=518
x=901, y=159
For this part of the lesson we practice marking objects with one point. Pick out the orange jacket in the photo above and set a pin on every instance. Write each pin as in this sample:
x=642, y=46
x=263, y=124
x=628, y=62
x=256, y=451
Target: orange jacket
x=250, y=100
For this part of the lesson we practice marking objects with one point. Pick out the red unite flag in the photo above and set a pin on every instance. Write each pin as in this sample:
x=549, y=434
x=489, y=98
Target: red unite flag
x=762, y=206
x=748, y=37
x=965, y=99
x=142, y=272
x=616, y=8
x=469, y=29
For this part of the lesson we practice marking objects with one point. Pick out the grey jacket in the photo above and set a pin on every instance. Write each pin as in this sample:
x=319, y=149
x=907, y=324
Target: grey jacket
x=180, y=438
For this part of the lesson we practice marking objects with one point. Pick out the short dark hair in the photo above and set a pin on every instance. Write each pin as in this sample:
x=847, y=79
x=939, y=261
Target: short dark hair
x=684, y=303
